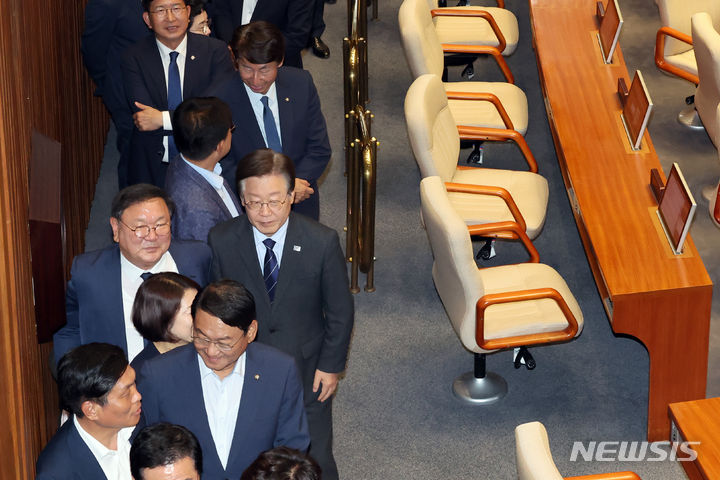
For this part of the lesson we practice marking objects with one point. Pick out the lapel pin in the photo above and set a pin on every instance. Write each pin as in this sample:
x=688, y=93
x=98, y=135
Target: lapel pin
x=297, y=248
x=192, y=57
x=257, y=377
x=287, y=99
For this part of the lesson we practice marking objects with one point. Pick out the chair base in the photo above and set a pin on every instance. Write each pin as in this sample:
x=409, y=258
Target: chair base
x=480, y=391
x=689, y=118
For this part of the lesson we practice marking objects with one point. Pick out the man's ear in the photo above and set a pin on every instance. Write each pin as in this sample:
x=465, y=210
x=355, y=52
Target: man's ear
x=115, y=225
x=146, y=17
x=89, y=409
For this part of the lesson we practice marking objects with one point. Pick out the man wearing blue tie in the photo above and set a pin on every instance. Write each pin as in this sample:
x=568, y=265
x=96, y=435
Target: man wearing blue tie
x=277, y=107
x=158, y=72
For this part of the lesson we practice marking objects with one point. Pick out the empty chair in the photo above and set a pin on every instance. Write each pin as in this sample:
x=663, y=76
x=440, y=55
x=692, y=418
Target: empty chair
x=535, y=462
x=707, y=52
x=492, y=308
x=501, y=195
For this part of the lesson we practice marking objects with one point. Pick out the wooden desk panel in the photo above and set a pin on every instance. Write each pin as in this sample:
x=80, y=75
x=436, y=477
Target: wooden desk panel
x=662, y=299
x=699, y=421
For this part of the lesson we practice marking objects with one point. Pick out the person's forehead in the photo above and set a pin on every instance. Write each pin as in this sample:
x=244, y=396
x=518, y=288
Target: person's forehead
x=125, y=380
x=165, y=3
x=212, y=326
x=152, y=206
x=257, y=66
x=181, y=469
x=266, y=185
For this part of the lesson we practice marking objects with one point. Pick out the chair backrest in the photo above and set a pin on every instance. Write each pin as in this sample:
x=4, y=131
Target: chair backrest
x=676, y=14
x=532, y=452
x=706, y=41
x=420, y=41
x=432, y=130
x=455, y=273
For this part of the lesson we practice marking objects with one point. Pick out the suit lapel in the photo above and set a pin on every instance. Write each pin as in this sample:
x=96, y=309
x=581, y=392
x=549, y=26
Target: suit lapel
x=153, y=65
x=285, y=110
x=249, y=403
x=291, y=258
x=192, y=56
x=210, y=192
x=248, y=254
x=114, y=290
x=81, y=457
x=247, y=123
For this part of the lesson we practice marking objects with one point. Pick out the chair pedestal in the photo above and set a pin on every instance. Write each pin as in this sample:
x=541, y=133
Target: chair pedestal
x=689, y=118
x=479, y=387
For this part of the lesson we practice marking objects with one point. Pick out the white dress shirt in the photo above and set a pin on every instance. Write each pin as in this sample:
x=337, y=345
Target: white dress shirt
x=131, y=281
x=165, y=57
x=278, y=237
x=222, y=402
x=257, y=107
x=247, y=11
x=114, y=463
x=216, y=181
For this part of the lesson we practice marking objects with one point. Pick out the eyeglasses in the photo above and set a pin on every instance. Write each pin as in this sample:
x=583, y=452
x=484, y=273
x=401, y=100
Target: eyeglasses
x=272, y=204
x=144, y=230
x=206, y=342
x=162, y=12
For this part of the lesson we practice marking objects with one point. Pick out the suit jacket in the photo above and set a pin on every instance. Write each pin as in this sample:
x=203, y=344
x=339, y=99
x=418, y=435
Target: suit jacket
x=67, y=457
x=311, y=317
x=198, y=207
x=93, y=300
x=292, y=17
x=271, y=411
x=208, y=61
x=302, y=125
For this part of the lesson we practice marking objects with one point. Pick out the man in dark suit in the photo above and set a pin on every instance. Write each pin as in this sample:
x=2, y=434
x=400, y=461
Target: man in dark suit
x=239, y=398
x=97, y=386
x=202, y=128
x=111, y=26
x=164, y=451
x=296, y=271
x=293, y=18
x=103, y=283
x=158, y=72
x=276, y=107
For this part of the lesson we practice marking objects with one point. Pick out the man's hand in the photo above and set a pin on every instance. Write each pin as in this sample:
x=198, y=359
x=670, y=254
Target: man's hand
x=329, y=384
x=302, y=192
x=148, y=118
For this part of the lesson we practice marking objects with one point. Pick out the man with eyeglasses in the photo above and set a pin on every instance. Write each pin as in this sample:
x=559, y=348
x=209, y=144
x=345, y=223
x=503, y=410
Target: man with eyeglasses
x=238, y=397
x=103, y=283
x=277, y=107
x=158, y=73
x=296, y=271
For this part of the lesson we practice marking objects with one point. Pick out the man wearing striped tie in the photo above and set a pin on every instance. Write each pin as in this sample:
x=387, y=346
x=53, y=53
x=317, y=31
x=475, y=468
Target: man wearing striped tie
x=296, y=271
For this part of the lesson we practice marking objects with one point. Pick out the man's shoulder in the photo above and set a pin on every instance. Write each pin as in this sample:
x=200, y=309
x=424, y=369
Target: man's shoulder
x=59, y=457
x=269, y=356
x=180, y=177
x=97, y=260
x=229, y=89
x=309, y=226
x=140, y=48
x=176, y=360
x=189, y=247
x=292, y=75
x=204, y=41
x=234, y=226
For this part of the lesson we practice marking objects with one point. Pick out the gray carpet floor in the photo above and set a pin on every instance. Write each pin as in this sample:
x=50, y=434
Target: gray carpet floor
x=395, y=414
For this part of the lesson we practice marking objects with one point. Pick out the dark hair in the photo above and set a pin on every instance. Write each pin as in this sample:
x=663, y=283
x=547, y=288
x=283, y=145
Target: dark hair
x=258, y=42
x=140, y=192
x=283, y=463
x=163, y=444
x=228, y=300
x=89, y=372
x=199, y=125
x=157, y=301
x=196, y=8
x=146, y=4
x=265, y=162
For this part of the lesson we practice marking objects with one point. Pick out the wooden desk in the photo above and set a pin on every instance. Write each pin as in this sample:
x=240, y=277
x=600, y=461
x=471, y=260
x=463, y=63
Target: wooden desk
x=699, y=421
x=661, y=299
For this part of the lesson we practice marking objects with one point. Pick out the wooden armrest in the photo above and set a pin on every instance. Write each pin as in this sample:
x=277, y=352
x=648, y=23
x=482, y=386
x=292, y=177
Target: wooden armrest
x=472, y=12
x=506, y=230
x=499, y=135
x=607, y=476
x=482, y=50
x=490, y=190
x=485, y=97
x=523, y=340
x=501, y=3
x=660, y=53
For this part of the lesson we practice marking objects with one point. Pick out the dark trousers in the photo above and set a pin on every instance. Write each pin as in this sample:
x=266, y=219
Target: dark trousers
x=318, y=24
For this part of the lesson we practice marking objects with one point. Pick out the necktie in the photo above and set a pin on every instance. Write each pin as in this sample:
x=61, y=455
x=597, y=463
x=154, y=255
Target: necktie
x=270, y=268
x=174, y=97
x=145, y=275
x=271, y=133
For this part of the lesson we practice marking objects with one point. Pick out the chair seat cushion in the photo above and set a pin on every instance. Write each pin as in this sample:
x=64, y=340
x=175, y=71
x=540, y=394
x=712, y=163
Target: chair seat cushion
x=533, y=316
x=685, y=60
x=478, y=113
x=529, y=191
x=477, y=30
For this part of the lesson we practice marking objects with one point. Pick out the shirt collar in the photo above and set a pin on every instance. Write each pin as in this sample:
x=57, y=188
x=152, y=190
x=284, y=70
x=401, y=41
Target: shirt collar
x=133, y=270
x=255, y=97
x=214, y=178
x=277, y=236
x=238, y=369
x=181, y=48
x=98, y=449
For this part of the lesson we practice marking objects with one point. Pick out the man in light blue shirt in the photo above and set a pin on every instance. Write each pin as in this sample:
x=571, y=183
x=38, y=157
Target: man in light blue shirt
x=202, y=128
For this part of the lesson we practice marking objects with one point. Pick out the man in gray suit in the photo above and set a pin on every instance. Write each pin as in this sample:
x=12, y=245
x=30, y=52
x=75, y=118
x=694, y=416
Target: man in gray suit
x=296, y=271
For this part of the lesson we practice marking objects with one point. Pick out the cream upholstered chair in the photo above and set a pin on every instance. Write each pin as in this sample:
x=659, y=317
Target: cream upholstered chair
x=491, y=308
x=707, y=51
x=535, y=462
x=714, y=191
x=478, y=104
x=497, y=195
